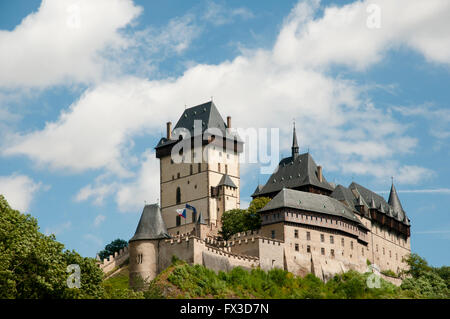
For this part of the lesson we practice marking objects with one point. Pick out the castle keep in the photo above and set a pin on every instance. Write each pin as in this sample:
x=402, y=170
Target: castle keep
x=309, y=226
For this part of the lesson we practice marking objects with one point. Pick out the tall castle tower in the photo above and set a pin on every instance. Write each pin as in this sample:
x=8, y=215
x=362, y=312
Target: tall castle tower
x=199, y=166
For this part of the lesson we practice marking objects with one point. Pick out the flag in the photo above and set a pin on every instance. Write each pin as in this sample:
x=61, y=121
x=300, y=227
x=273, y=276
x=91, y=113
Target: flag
x=191, y=208
x=182, y=212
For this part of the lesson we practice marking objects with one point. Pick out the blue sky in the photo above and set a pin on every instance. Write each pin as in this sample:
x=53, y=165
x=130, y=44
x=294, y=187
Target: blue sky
x=86, y=88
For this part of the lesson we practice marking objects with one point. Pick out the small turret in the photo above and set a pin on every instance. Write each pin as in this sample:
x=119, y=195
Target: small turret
x=294, y=145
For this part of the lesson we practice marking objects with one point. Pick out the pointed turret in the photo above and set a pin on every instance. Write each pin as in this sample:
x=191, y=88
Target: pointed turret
x=394, y=202
x=151, y=224
x=372, y=204
x=294, y=144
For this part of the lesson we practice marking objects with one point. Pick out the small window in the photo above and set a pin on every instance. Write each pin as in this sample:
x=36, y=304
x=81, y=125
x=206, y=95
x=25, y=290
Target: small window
x=331, y=240
x=296, y=247
x=351, y=245
x=308, y=249
x=178, y=220
x=226, y=169
x=273, y=234
x=308, y=235
x=322, y=251
x=178, y=175
x=218, y=167
x=199, y=167
x=191, y=171
x=342, y=242
x=332, y=253
x=178, y=195
x=296, y=233
x=322, y=238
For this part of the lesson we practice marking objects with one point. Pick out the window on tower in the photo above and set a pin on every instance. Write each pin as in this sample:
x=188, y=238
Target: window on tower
x=178, y=199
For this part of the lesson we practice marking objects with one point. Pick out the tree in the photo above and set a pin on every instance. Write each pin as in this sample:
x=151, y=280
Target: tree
x=33, y=265
x=239, y=220
x=254, y=217
x=417, y=266
x=114, y=246
x=233, y=221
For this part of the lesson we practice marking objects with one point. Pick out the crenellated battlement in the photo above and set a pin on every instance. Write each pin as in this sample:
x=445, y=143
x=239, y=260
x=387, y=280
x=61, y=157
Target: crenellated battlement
x=253, y=239
x=113, y=261
x=231, y=255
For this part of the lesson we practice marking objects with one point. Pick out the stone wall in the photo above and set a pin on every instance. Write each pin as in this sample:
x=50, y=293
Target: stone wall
x=114, y=261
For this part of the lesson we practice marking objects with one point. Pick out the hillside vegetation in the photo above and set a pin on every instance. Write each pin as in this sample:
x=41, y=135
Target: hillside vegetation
x=33, y=265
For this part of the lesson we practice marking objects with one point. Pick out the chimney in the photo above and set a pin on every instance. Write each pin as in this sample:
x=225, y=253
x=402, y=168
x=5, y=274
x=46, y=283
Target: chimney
x=169, y=130
x=228, y=121
x=319, y=173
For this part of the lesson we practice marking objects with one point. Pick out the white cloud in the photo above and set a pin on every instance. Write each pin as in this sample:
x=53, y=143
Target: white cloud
x=18, y=190
x=260, y=88
x=343, y=36
x=63, y=42
x=99, y=219
x=131, y=194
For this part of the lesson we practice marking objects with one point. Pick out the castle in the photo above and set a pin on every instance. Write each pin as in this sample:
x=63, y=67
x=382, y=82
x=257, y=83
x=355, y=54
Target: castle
x=309, y=226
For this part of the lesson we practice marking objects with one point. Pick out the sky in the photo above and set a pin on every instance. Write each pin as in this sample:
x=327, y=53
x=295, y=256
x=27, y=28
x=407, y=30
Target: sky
x=86, y=88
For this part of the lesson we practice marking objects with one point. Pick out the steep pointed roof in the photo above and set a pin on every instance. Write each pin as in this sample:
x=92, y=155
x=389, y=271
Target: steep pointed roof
x=394, y=202
x=294, y=144
x=207, y=113
x=372, y=204
x=227, y=181
x=151, y=224
x=209, y=117
x=293, y=173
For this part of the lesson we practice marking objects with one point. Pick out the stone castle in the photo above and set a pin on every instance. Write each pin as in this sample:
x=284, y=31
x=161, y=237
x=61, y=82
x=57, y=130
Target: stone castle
x=309, y=226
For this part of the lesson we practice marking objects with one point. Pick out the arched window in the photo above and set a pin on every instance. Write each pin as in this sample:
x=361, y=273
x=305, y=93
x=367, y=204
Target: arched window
x=178, y=195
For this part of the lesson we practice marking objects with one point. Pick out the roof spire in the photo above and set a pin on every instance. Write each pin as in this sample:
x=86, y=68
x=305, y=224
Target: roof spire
x=394, y=201
x=294, y=144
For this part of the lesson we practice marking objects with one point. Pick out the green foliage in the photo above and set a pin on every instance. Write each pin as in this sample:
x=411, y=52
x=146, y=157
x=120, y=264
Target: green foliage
x=117, y=287
x=198, y=281
x=239, y=220
x=114, y=246
x=33, y=265
x=233, y=221
x=389, y=273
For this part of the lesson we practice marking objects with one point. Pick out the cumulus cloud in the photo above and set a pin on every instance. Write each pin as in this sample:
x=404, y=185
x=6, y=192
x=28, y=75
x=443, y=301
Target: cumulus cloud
x=18, y=190
x=130, y=193
x=260, y=88
x=63, y=42
x=359, y=34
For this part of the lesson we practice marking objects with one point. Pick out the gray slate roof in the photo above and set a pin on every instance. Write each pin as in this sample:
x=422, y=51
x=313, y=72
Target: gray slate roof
x=209, y=116
x=227, y=181
x=151, y=224
x=293, y=173
x=371, y=200
x=310, y=202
